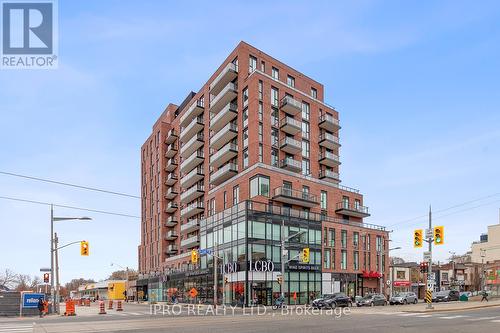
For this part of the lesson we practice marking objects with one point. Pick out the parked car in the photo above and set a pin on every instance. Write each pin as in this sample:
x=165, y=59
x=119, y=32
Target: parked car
x=446, y=296
x=331, y=301
x=403, y=298
x=372, y=300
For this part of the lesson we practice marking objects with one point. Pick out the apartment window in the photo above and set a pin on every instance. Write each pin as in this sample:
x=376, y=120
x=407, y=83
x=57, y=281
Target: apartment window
x=306, y=111
x=274, y=137
x=314, y=93
x=261, y=111
x=260, y=132
x=201, y=101
x=211, y=207
x=343, y=238
x=275, y=73
x=306, y=130
x=274, y=157
x=355, y=260
x=236, y=194
x=343, y=259
x=263, y=66
x=324, y=200
x=331, y=237
x=252, y=64
x=355, y=239
x=245, y=96
x=225, y=199
x=245, y=137
x=368, y=245
x=260, y=90
x=333, y=258
x=357, y=204
x=290, y=80
x=274, y=97
x=274, y=117
x=378, y=243
x=401, y=275
x=325, y=236
x=306, y=147
x=327, y=259
x=345, y=202
x=306, y=167
x=259, y=185
x=260, y=152
x=245, y=158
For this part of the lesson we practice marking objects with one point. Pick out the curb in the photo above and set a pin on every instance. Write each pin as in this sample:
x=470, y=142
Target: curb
x=456, y=309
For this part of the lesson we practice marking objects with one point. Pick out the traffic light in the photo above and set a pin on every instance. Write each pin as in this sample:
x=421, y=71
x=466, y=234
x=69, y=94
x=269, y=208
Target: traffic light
x=194, y=256
x=279, y=279
x=305, y=255
x=439, y=235
x=84, y=248
x=418, y=238
x=226, y=280
x=46, y=277
x=424, y=266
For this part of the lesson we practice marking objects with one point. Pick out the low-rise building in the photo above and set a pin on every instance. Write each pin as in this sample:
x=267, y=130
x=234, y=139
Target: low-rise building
x=488, y=247
x=103, y=290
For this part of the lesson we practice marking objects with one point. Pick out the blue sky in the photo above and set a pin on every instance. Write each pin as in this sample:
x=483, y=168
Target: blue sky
x=416, y=84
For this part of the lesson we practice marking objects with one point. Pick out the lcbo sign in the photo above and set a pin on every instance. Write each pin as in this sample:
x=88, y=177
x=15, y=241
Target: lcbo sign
x=253, y=266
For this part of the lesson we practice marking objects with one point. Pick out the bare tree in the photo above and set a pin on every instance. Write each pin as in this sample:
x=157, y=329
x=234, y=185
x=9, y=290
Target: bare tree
x=8, y=278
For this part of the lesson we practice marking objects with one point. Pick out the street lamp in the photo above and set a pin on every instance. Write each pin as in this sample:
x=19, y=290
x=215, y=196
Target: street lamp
x=382, y=269
x=53, y=251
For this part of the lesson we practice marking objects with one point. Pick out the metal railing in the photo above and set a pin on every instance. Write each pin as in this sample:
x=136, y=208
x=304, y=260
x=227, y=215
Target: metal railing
x=352, y=207
x=290, y=162
x=288, y=100
x=295, y=194
x=329, y=118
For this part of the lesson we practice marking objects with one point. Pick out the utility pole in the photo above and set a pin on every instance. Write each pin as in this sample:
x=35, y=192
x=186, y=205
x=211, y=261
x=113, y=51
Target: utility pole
x=381, y=270
x=216, y=257
x=56, y=243
x=52, y=258
x=284, y=256
x=429, y=267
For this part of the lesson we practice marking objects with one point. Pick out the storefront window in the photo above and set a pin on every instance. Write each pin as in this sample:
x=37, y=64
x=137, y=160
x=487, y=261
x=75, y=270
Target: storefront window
x=258, y=230
x=258, y=252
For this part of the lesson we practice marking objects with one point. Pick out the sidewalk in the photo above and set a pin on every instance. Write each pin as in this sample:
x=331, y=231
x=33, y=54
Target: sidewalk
x=455, y=306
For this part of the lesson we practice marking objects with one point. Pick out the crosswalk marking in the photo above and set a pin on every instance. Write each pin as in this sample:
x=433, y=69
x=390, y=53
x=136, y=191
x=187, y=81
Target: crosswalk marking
x=480, y=318
x=16, y=328
x=409, y=314
x=495, y=321
x=424, y=316
x=452, y=317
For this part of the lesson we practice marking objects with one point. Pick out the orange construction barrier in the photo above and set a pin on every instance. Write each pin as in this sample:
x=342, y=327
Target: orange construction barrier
x=70, y=308
x=102, y=307
x=110, y=304
x=45, y=307
x=119, y=306
x=87, y=302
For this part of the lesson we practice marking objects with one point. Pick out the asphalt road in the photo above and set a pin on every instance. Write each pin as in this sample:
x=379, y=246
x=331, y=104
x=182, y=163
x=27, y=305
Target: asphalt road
x=357, y=320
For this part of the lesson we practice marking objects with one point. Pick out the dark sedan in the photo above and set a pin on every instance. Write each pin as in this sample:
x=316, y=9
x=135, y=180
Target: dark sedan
x=446, y=296
x=331, y=301
x=372, y=300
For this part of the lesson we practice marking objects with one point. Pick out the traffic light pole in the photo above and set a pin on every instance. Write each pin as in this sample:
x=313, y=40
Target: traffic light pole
x=429, y=269
x=56, y=242
x=52, y=257
x=216, y=257
x=284, y=255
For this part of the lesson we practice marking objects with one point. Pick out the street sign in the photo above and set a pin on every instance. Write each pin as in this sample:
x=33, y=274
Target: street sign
x=388, y=282
x=427, y=256
x=429, y=233
x=193, y=292
x=432, y=276
x=205, y=251
x=30, y=300
x=45, y=269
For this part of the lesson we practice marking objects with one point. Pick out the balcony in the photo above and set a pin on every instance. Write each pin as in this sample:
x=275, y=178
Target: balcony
x=329, y=159
x=228, y=74
x=171, y=179
x=192, y=193
x=226, y=172
x=171, y=150
x=171, y=136
x=192, y=145
x=193, y=111
x=294, y=197
x=226, y=134
x=172, y=249
x=329, y=175
x=291, y=164
x=192, y=209
x=191, y=162
x=171, y=193
x=190, y=242
x=195, y=126
x=171, y=222
x=328, y=140
x=190, y=226
x=171, y=207
x=227, y=94
x=354, y=210
x=224, y=155
x=192, y=177
x=171, y=235
x=328, y=122
x=221, y=119
x=290, y=125
x=171, y=165
x=290, y=145
x=291, y=106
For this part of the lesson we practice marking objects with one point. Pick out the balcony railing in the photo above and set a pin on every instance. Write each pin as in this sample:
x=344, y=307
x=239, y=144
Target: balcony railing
x=329, y=174
x=192, y=241
x=294, y=197
x=192, y=193
x=171, y=165
x=224, y=154
x=291, y=164
x=328, y=122
x=171, y=221
x=190, y=226
x=172, y=248
x=192, y=177
x=171, y=150
x=329, y=140
x=192, y=145
x=195, y=126
x=227, y=114
x=290, y=105
x=224, y=135
x=290, y=145
x=171, y=235
x=194, y=110
x=226, y=95
x=346, y=208
x=191, y=162
x=290, y=125
x=171, y=136
x=192, y=209
x=226, y=172
x=329, y=158
x=171, y=179
x=228, y=74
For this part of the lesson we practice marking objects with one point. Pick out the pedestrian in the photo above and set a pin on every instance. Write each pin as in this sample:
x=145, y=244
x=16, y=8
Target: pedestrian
x=485, y=296
x=40, y=306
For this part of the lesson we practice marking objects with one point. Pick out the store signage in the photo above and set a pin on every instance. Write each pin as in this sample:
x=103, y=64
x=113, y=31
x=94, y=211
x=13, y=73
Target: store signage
x=402, y=283
x=261, y=266
x=229, y=267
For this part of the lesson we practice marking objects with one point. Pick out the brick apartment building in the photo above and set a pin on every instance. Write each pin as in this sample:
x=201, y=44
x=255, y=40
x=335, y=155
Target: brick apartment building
x=255, y=148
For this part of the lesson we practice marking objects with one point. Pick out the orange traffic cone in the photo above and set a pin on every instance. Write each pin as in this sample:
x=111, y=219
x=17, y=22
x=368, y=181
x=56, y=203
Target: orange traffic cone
x=110, y=304
x=119, y=306
x=102, y=307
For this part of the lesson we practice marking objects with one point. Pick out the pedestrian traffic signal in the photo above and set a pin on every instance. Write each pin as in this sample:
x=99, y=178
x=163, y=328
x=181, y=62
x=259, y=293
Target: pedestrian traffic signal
x=279, y=279
x=424, y=267
x=84, y=248
x=226, y=280
x=305, y=255
x=46, y=277
x=418, y=238
x=439, y=235
x=194, y=256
